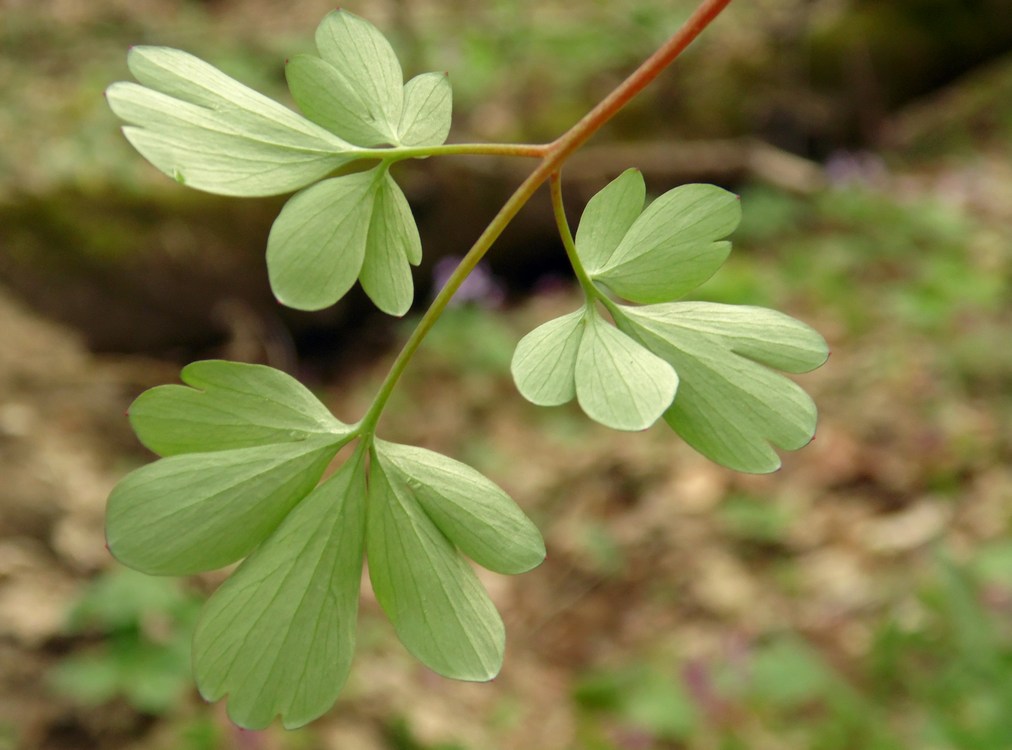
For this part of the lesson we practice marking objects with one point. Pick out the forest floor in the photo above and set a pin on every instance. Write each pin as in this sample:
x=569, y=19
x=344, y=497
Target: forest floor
x=859, y=597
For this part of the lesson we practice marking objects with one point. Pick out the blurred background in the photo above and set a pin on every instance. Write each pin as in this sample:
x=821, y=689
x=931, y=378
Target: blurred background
x=858, y=598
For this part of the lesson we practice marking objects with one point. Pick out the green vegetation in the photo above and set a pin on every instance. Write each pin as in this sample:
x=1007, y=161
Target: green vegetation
x=146, y=625
x=944, y=681
x=838, y=615
x=245, y=447
x=935, y=671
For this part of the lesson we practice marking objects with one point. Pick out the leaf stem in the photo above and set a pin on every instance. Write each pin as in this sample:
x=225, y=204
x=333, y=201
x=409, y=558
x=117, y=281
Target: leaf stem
x=559, y=209
x=533, y=150
x=591, y=291
x=648, y=70
x=613, y=309
x=467, y=264
x=552, y=157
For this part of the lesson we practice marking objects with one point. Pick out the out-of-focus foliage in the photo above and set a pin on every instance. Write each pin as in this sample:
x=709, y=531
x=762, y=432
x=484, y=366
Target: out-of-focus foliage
x=875, y=258
x=801, y=73
x=944, y=681
x=146, y=625
x=910, y=278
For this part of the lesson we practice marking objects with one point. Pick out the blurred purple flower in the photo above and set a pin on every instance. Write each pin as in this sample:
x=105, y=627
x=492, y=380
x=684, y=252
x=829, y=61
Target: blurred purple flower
x=481, y=287
x=631, y=738
x=845, y=168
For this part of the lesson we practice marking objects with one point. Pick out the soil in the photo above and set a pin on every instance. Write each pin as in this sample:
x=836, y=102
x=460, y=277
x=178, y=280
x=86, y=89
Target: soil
x=647, y=562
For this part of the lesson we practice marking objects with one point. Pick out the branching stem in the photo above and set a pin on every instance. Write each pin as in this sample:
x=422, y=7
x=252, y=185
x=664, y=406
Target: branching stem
x=552, y=157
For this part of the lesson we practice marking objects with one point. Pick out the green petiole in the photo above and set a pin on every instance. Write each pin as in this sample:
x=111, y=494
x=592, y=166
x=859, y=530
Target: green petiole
x=396, y=153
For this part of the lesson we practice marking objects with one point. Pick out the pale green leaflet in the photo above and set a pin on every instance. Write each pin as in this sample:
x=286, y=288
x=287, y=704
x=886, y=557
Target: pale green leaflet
x=245, y=471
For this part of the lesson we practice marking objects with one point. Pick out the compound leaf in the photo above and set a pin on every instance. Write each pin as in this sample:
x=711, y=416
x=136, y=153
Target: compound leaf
x=317, y=244
x=618, y=382
x=472, y=511
x=766, y=336
x=327, y=97
x=201, y=511
x=544, y=362
x=607, y=218
x=355, y=88
x=672, y=247
x=229, y=405
x=355, y=226
x=368, y=65
x=428, y=106
x=188, y=78
x=214, y=164
x=392, y=243
x=208, y=131
x=279, y=635
x=438, y=607
x=730, y=406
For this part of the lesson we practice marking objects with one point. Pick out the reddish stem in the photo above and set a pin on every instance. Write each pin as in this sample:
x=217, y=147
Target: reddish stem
x=666, y=54
x=555, y=154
